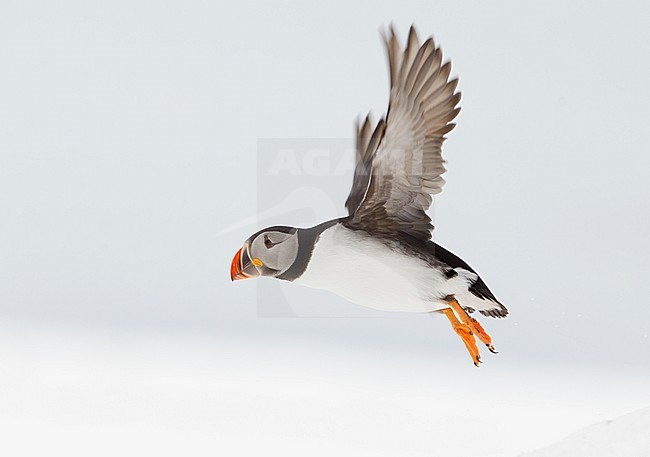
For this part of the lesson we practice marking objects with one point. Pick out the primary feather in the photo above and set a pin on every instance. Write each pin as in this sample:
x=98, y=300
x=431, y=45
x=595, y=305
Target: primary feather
x=399, y=165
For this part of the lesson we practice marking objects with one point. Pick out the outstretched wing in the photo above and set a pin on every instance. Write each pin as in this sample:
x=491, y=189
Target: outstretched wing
x=399, y=165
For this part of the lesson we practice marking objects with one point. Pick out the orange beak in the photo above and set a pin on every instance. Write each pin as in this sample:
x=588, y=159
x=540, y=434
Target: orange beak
x=242, y=267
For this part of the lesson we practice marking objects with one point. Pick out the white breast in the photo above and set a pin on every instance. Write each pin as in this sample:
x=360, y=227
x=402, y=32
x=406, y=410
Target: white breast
x=366, y=271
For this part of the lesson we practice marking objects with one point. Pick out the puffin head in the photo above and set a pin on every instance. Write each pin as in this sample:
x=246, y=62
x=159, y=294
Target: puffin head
x=269, y=252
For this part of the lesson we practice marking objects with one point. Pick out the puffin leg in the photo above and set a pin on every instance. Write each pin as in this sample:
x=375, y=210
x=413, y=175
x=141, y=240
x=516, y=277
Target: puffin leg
x=465, y=333
x=477, y=328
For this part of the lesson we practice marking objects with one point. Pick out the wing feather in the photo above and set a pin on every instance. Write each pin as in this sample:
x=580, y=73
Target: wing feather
x=400, y=165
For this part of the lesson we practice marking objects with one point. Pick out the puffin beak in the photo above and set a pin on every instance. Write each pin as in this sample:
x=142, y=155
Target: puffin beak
x=242, y=266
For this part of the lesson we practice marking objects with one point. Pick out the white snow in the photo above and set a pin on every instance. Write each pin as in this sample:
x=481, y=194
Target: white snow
x=105, y=390
x=626, y=436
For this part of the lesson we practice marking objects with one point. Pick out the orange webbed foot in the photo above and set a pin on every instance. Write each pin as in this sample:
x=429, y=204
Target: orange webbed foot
x=477, y=328
x=467, y=328
x=481, y=334
x=466, y=334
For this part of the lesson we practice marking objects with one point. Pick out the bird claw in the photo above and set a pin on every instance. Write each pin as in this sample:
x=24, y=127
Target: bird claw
x=491, y=349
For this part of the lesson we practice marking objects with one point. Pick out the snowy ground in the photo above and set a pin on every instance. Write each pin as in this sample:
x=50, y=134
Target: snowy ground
x=627, y=436
x=114, y=390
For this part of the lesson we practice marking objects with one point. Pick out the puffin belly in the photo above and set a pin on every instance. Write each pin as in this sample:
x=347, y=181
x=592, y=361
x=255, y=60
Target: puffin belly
x=368, y=272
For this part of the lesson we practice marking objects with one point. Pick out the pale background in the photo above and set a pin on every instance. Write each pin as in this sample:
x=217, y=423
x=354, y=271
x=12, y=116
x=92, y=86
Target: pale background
x=129, y=150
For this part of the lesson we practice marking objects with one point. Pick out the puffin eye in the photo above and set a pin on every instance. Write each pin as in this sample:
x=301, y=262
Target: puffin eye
x=268, y=243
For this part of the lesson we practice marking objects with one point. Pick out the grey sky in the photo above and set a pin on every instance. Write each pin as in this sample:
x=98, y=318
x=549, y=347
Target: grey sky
x=129, y=140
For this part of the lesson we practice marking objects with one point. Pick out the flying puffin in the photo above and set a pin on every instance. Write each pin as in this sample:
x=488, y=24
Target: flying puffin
x=381, y=254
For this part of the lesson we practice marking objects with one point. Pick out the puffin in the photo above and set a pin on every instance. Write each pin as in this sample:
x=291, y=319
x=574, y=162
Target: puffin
x=381, y=254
